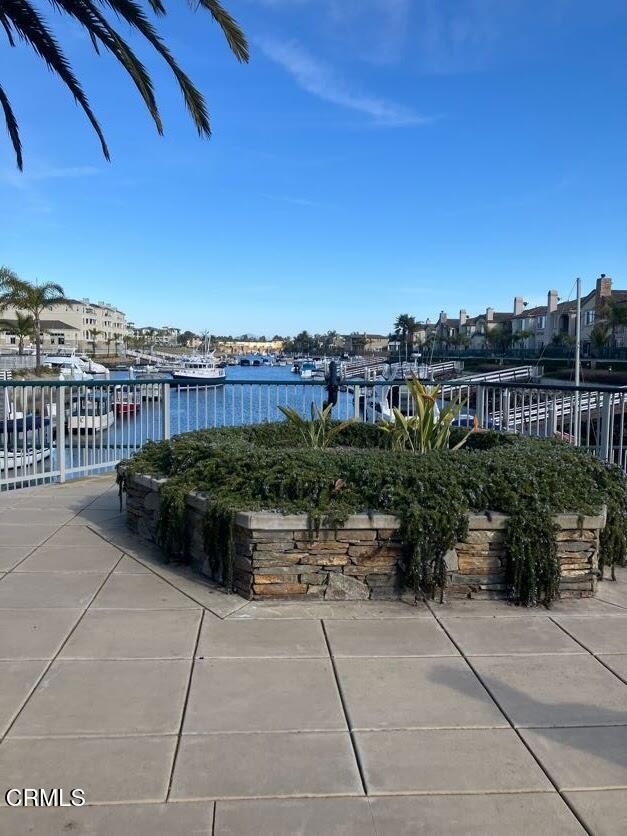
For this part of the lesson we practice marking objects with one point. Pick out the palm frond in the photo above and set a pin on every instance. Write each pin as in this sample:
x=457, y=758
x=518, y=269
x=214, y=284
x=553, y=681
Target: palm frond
x=232, y=32
x=12, y=128
x=99, y=29
x=31, y=28
x=133, y=14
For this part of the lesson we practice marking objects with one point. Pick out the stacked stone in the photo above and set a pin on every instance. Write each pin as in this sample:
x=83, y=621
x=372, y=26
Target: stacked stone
x=476, y=566
x=142, y=505
x=279, y=556
x=347, y=564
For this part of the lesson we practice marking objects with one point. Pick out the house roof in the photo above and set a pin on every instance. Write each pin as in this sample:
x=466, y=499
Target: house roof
x=540, y=310
x=45, y=324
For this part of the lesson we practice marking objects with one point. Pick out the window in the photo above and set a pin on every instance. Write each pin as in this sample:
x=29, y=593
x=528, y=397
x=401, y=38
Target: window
x=540, y=321
x=588, y=317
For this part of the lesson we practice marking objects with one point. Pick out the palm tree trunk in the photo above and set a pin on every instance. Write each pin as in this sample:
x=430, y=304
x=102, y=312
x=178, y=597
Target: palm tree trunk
x=20, y=348
x=37, y=341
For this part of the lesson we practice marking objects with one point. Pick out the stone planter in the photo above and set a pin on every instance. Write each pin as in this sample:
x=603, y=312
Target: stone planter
x=278, y=556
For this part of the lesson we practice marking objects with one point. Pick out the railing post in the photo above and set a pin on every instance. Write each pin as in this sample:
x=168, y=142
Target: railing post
x=165, y=411
x=481, y=405
x=60, y=422
x=356, y=396
x=605, y=426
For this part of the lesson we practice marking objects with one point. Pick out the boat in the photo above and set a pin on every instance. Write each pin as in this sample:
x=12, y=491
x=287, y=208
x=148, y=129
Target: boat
x=199, y=369
x=127, y=402
x=24, y=441
x=91, y=413
x=69, y=366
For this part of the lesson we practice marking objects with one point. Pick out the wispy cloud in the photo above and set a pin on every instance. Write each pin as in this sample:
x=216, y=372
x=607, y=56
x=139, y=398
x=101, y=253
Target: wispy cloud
x=38, y=174
x=320, y=79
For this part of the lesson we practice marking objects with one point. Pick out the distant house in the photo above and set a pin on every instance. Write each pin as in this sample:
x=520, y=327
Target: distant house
x=557, y=320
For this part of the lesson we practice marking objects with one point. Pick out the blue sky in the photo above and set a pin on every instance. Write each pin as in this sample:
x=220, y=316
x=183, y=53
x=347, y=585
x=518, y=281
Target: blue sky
x=375, y=157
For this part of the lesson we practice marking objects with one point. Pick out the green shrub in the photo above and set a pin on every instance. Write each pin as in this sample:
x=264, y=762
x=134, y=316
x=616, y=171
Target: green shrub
x=267, y=467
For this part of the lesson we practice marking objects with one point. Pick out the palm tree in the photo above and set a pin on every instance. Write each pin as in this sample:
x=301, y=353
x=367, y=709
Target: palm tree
x=405, y=325
x=22, y=326
x=95, y=333
x=22, y=21
x=615, y=315
x=109, y=340
x=600, y=335
x=34, y=299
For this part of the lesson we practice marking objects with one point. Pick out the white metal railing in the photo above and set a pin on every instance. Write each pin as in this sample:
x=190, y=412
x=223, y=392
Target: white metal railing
x=51, y=431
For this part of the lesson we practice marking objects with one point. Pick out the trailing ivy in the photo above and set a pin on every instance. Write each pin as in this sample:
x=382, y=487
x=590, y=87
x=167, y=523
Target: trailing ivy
x=265, y=467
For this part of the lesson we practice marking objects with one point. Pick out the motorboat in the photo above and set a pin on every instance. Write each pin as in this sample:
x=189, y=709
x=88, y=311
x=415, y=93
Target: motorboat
x=127, y=401
x=24, y=442
x=200, y=369
x=69, y=366
x=91, y=413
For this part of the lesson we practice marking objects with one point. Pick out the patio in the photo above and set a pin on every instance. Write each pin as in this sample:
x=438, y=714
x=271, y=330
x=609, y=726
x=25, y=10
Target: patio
x=180, y=709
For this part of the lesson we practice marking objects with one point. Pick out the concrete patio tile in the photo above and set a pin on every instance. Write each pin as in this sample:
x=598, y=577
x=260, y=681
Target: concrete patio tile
x=614, y=592
x=503, y=609
x=261, y=765
x=585, y=606
x=343, y=609
x=49, y=589
x=415, y=693
x=101, y=558
x=389, y=637
x=263, y=695
x=34, y=634
x=103, y=697
x=488, y=637
x=53, y=517
x=108, y=770
x=129, y=566
x=561, y=690
x=26, y=534
x=519, y=814
x=618, y=663
x=601, y=634
x=110, y=501
x=140, y=592
x=10, y=556
x=604, y=813
x=76, y=535
x=134, y=634
x=91, y=515
x=206, y=594
x=302, y=816
x=17, y=679
x=582, y=758
x=448, y=761
x=112, y=820
x=246, y=639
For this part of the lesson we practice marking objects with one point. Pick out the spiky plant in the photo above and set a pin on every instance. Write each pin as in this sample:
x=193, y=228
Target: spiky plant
x=22, y=20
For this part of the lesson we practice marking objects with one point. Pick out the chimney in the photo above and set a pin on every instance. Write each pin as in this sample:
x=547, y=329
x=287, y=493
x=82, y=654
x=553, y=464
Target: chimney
x=463, y=316
x=603, y=291
x=443, y=316
x=519, y=305
x=489, y=314
x=551, y=301
x=428, y=322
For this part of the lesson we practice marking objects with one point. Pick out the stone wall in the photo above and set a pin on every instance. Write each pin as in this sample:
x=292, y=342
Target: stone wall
x=278, y=556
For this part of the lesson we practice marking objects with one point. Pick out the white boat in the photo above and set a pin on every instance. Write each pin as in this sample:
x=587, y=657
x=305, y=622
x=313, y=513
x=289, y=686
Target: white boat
x=91, y=414
x=24, y=441
x=73, y=367
x=202, y=368
x=69, y=367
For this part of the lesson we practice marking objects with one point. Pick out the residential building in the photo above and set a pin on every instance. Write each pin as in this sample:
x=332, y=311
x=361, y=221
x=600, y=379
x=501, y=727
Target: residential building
x=247, y=346
x=76, y=325
x=556, y=321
